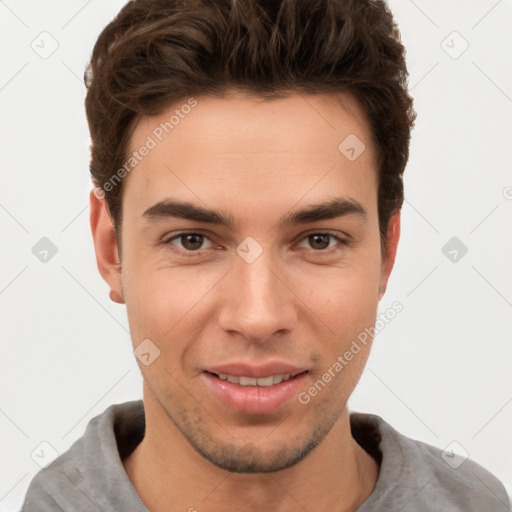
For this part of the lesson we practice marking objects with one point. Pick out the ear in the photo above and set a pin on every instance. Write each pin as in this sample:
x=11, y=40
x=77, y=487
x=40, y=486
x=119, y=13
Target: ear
x=389, y=254
x=105, y=245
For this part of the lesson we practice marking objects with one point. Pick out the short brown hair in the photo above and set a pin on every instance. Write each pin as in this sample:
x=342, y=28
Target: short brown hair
x=156, y=52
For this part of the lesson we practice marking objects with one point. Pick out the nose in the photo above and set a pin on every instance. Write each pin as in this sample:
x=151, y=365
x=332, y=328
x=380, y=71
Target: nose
x=258, y=303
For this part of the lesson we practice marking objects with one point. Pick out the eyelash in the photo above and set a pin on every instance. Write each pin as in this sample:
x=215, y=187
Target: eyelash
x=187, y=253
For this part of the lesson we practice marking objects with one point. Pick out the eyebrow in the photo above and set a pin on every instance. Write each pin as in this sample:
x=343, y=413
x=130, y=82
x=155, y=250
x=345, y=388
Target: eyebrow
x=337, y=207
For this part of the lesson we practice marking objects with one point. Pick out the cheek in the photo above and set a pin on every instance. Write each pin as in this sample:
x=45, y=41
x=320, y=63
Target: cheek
x=167, y=304
x=349, y=310
x=348, y=297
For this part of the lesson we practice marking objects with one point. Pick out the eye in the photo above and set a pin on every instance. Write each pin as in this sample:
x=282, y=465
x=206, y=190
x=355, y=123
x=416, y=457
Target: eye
x=190, y=241
x=320, y=241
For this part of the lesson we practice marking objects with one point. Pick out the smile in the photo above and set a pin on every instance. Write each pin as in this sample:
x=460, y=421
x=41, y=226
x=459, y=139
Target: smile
x=255, y=395
x=252, y=381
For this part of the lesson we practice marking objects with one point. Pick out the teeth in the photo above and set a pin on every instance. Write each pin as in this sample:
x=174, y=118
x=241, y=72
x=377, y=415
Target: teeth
x=281, y=378
x=266, y=381
x=252, y=381
x=247, y=381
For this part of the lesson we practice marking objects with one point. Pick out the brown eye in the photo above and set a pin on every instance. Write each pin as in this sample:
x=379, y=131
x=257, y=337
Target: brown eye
x=189, y=242
x=192, y=242
x=321, y=241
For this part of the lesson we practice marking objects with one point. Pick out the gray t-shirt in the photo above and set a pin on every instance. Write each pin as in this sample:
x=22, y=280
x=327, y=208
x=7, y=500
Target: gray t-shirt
x=90, y=477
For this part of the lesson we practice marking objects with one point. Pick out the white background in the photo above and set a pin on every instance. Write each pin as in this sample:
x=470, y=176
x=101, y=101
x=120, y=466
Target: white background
x=440, y=372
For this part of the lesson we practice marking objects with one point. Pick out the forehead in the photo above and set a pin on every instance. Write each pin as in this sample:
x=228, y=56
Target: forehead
x=238, y=146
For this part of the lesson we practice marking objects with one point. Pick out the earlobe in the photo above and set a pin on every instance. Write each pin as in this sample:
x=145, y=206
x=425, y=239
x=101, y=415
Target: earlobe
x=115, y=297
x=105, y=246
x=389, y=254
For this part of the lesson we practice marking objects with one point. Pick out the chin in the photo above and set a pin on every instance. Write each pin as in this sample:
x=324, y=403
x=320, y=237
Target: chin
x=266, y=456
x=250, y=459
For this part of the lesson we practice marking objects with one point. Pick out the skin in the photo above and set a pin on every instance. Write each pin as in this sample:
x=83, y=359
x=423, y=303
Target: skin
x=297, y=302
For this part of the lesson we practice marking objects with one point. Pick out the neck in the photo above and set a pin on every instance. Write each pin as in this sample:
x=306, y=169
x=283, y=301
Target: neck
x=164, y=469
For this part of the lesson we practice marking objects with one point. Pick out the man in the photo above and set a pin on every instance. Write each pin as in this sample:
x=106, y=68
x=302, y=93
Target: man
x=248, y=161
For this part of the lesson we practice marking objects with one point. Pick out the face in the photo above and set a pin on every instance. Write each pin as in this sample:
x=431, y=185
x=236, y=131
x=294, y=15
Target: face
x=247, y=304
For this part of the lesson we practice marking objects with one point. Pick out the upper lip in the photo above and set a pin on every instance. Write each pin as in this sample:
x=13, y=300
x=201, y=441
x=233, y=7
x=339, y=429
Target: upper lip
x=256, y=371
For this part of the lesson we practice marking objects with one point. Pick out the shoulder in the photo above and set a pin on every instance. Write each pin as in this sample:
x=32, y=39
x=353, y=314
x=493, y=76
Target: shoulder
x=456, y=480
x=56, y=487
x=81, y=477
x=421, y=477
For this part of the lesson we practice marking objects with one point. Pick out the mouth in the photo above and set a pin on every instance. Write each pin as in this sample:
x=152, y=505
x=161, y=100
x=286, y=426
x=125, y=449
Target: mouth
x=263, y=394
x=264, y=382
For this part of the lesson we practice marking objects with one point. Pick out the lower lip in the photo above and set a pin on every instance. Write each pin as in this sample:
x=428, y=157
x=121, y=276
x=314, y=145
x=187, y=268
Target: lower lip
x=255, y=399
